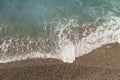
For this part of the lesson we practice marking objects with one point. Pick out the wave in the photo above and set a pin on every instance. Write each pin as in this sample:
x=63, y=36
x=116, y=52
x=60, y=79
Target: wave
x=72, y=39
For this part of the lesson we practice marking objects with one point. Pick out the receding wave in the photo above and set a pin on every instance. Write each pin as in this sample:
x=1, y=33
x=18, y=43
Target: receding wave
x=65, y=42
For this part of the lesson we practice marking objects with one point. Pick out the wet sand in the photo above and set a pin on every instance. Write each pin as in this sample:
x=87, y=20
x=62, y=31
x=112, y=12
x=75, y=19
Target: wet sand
x=101, y=64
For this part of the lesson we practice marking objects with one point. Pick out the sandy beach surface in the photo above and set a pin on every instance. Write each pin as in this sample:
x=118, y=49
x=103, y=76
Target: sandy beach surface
x=101, y=64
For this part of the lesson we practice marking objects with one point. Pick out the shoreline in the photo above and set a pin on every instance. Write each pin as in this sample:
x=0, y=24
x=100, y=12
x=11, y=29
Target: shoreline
x=101, y=64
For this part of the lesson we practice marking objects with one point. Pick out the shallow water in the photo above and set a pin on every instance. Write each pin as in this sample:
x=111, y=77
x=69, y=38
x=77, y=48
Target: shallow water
x=62, y=29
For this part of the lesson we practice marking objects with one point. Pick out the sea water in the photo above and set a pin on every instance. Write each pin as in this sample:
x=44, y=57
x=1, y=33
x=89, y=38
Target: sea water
x=61, y=29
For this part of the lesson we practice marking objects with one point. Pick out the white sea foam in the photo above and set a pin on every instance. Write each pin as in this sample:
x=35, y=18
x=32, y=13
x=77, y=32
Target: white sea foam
x=67, y=50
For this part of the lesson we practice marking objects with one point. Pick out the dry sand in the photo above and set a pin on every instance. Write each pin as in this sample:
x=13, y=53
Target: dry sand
x=101, y=64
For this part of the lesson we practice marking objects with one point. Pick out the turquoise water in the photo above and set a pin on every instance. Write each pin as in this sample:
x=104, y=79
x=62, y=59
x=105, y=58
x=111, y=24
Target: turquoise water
x=37, y=11
x=62, y=29
x=29, y=17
